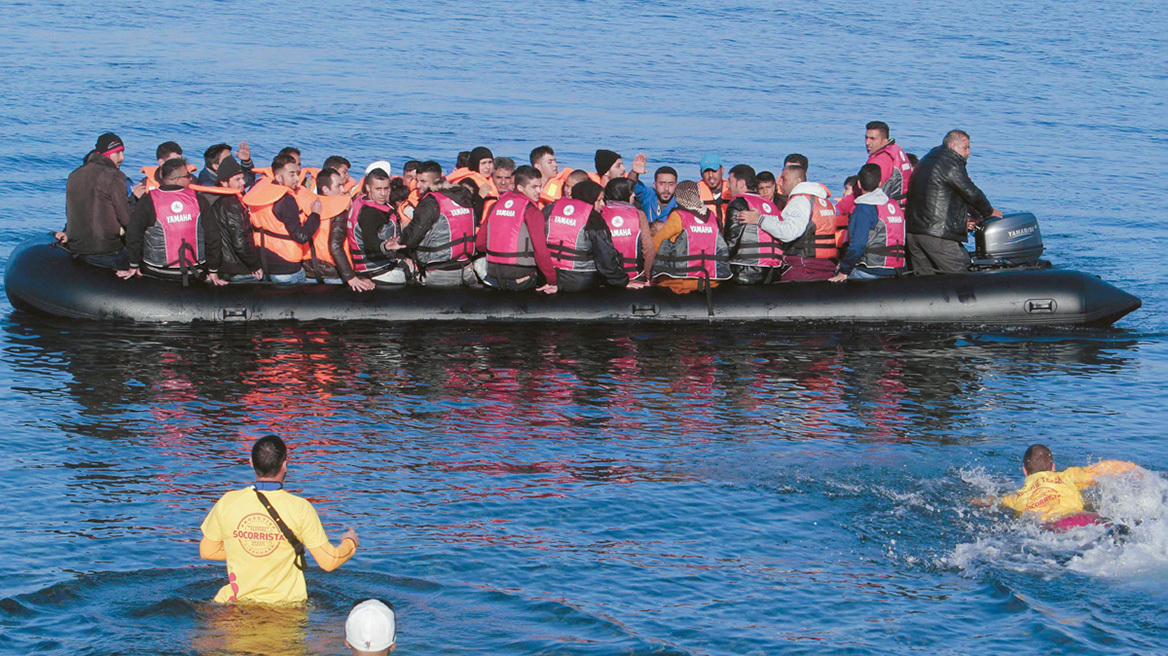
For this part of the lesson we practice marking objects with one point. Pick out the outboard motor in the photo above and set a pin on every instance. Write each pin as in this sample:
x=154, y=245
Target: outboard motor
x=1013, y=240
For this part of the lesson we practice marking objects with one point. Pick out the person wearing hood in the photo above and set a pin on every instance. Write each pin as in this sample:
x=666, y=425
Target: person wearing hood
x=876, y=226
x=691, y=252
x=580, y=242
x=480, y=165
x=441, y=236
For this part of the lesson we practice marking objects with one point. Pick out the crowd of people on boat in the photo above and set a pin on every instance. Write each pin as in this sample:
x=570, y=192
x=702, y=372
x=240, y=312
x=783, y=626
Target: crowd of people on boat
x=538, y=226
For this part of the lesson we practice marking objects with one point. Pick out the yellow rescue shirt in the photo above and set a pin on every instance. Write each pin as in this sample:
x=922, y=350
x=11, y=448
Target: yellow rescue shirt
x=1054, y=495
x=260, y=562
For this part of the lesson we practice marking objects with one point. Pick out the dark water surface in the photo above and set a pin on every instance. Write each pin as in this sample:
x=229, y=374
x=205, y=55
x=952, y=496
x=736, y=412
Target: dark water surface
x=689, y=489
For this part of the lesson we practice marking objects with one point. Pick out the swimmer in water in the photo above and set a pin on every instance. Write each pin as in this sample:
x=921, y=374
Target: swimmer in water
x=1053, y=495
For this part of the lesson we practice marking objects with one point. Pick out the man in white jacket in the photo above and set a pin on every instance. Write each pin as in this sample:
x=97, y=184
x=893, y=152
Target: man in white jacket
x=795, y=228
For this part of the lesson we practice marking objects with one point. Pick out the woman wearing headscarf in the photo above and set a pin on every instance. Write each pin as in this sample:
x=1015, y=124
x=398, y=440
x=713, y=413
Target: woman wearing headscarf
x=691, y=251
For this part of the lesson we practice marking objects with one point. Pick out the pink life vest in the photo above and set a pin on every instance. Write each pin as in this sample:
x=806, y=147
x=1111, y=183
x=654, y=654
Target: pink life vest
x=362, y=262
x=624, y=223
x=895, y=172
x=757, y=247
x=885, y=247
x=699, y=251
x=508, y=240
x=566, y=238
x=452, y=237
x=176, y=238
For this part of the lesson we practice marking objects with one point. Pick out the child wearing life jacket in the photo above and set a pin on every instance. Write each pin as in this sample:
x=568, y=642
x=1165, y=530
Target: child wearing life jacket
x=1055, y=496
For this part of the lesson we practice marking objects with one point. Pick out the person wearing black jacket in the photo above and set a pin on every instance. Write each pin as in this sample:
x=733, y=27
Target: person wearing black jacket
x=941, y=200
x=97, y=207
x=376, y=232
x=597, y=243
x=237, y=258
x=426, y=238
x=141, y=246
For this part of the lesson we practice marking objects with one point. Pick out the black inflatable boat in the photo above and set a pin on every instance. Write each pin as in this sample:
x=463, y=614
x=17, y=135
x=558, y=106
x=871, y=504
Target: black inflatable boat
x=43, y=277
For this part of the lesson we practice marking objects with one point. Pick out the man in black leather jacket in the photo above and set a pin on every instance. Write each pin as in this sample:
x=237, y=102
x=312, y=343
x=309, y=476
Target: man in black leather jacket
x=941, y=201
x=238, y=258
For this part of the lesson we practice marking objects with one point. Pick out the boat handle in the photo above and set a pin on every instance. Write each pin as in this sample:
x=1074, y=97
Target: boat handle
x=650, y=310
x=230, y=314
x=1041, y=306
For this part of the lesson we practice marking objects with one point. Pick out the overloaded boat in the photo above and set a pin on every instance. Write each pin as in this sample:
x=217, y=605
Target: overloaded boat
x=1010, y=286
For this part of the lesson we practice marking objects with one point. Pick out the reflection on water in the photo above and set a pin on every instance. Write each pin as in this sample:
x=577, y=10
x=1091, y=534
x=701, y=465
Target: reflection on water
x=604, y=489
x=697, y=382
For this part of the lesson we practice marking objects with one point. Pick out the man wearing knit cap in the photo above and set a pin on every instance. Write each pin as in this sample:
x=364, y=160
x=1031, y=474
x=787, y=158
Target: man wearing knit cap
x=97, y=206
x=371, y=628
x=237, y=257
x=670, y=263
x=609, y=165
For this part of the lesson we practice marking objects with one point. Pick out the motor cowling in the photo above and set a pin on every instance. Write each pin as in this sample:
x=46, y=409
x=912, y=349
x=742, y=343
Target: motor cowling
x=1012, y=240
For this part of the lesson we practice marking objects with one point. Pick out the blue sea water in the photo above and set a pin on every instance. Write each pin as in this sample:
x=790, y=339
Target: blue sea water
x=561, y=489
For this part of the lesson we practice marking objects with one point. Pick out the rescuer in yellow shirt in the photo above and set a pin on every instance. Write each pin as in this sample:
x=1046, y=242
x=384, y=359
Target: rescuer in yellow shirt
x=262, y=563
x=1054, y=495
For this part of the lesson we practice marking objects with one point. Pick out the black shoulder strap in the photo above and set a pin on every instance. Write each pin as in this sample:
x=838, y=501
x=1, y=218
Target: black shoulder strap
x=298, y=546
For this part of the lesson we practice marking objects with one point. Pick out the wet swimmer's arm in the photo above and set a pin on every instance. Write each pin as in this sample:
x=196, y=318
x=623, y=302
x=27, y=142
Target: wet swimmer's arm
x=330, y=557
x=1089, y=475
x=212, y=549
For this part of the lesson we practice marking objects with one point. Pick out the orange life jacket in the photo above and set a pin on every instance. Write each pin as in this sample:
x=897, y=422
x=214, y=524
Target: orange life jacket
x=831, y=229
x=270, y=233
x=223, y=191
x=479, y=179
x=719, y=208
x=552, y=189
x=151, y=171
x=266, y=171
x=307, y=171
x=331, y=209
